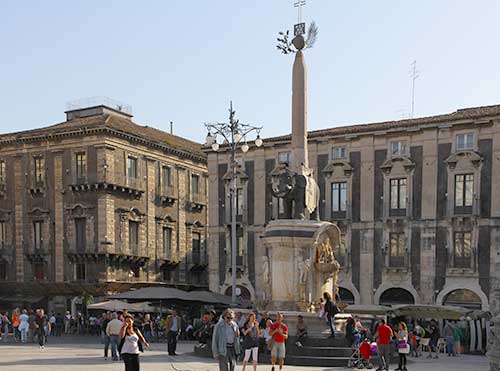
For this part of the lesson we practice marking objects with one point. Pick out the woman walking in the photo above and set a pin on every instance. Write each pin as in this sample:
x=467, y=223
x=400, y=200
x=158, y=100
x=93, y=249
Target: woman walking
x=131, y=344
x=251, y=334
x=24, y=325
x=403, y=347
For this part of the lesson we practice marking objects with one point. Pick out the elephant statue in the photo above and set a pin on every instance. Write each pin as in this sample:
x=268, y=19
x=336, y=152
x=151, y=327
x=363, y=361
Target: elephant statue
x=298, y=192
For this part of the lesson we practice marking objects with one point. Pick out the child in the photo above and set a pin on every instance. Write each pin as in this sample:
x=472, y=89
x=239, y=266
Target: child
x=365, y=351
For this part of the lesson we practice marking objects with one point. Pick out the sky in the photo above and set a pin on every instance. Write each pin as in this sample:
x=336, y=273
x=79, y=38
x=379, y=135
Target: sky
x=184, y=60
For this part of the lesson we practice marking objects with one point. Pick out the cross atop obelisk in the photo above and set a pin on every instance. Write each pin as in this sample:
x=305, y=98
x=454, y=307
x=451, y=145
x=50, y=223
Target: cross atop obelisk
x=300, y=163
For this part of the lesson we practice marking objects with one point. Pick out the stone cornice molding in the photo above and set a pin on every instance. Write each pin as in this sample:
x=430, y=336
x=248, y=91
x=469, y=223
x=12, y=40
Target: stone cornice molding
x=408, y=164
x=474, y=157
x=104, y=131
x=344, y=164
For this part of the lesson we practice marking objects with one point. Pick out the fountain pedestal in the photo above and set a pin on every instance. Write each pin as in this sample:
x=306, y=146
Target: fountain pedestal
x=301, y=262
x=494, y=343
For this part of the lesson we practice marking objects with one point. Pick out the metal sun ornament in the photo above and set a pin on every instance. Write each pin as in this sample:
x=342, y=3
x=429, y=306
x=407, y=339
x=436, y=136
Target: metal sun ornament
x=287, y=46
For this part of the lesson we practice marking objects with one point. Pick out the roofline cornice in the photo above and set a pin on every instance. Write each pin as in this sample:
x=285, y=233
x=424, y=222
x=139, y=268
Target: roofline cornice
x=101, y=131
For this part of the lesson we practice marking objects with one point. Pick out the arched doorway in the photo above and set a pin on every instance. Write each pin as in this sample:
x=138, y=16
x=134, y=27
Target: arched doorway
x=346, y=296
x=396, y=296
x=241, y=292
x=463, y=298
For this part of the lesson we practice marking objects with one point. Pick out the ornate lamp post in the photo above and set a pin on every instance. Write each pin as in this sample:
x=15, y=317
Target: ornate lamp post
x=234, y=135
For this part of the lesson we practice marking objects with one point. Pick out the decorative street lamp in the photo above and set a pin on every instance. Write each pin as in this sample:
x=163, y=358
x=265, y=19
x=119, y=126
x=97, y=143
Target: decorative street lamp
x=234, y=135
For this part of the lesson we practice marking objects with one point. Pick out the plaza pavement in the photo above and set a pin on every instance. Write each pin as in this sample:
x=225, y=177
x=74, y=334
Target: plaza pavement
x=78, y=354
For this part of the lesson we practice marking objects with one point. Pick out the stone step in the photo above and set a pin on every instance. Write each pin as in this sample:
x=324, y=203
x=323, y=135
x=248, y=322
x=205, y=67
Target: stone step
x=296, y=360
x=322, y=342
x=320, y=351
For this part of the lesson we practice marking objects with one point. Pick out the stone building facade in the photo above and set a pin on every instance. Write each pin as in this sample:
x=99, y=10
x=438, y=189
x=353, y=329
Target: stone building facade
x=415, y=201
x=99, y=204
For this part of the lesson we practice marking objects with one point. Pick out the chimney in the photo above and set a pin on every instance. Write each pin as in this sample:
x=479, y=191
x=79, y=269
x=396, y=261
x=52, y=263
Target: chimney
x=171, y=127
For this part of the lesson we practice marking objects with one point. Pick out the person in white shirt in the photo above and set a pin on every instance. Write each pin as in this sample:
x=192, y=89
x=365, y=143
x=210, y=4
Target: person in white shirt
x=113, y=331
x=130, y=349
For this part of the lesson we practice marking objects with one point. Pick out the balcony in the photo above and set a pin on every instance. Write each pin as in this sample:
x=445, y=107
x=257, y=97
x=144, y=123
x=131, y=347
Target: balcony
x=37, y=187
x=168, y=195
x=133, y=187
x=197, y=202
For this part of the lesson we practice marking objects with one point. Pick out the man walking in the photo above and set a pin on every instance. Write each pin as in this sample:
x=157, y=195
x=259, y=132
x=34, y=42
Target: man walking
x=383, y=337
x=106, y=318
x=113, y=331
x=279, y=333
x=225, y=345
x=173, y=329
x=41, y=325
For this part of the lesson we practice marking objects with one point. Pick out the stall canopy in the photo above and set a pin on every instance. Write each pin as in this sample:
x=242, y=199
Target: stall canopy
x=367, y=309
x=171, y=294
x=118, y=305
x=429, y=311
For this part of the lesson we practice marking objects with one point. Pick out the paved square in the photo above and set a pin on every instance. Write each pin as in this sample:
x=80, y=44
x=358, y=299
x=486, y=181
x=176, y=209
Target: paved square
x=86, y=354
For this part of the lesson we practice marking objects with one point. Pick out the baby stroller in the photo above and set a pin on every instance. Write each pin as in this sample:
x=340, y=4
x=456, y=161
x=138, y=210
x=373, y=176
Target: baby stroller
x=360, y=358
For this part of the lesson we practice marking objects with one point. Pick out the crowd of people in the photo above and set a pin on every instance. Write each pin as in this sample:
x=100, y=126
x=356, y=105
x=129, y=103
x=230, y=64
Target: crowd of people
x=232, y=336
x=406, y=339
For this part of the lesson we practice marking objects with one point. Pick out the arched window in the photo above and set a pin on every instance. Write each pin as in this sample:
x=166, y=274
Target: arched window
x=396, y=296
x=463, y=298
x=241, y=292
x=346, y=296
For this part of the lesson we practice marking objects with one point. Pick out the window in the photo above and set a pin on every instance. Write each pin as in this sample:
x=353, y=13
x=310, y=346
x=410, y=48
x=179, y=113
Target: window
x=80, y=272
x=463, y=249
x=239, y=201
x=196, y=253
x=167, y=241
x=195, y=184
x=81, y=165
x=133, y=237
x=464, y=184
x=398, y=148
x=2, y=173
x=39, y=271
x=80, y=229
x=284, y=158
x=131, y=167
x=3, y=270
x=165, y=177
x=239, y=248
x=37, y=234
x=397, y=250
x=339, y=153
x=398, y=194
x=3, y=236
x=39, y=170
x=339, y=196
x=464, y=141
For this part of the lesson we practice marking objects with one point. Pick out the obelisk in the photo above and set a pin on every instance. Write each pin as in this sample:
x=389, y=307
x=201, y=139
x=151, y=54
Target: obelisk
x=300, y=163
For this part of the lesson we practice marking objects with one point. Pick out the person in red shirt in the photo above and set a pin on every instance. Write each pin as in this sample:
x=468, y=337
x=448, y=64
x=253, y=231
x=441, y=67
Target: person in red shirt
x=384, y=335
x=365, y=351
x=279, y=333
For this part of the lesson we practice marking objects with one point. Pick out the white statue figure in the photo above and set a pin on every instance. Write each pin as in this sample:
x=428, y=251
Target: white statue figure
x=304, y=267
x=265, y=269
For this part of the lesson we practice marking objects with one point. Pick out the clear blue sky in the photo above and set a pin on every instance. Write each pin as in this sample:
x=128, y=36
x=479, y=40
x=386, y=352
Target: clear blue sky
x=184, y=60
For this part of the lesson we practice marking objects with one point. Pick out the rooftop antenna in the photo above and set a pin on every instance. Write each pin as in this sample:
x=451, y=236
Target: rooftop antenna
x=414, y=74
x=171, y=127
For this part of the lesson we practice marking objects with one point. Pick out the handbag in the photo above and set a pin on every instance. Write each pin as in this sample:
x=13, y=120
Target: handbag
x=403, y=346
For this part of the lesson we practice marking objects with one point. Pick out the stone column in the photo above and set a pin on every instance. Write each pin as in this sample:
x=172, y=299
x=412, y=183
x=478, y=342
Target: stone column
x=213, y=221
x=183, y=198
x=18, y=217
x=150, y=217
x=299, y=114
x=58, y=218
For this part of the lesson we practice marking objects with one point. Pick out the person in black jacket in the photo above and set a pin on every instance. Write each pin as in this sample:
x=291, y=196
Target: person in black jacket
x=330, y=310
